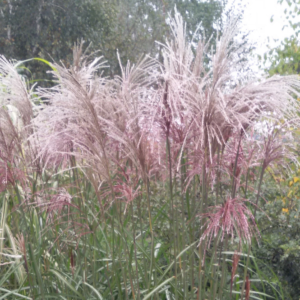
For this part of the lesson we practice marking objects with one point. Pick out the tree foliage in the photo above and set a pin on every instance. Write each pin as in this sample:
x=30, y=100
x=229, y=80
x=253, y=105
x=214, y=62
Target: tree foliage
x=31, y=28
x=141, y=26
x=280, y=238
x=280, y=227
x=285, y=58
x=49, y=29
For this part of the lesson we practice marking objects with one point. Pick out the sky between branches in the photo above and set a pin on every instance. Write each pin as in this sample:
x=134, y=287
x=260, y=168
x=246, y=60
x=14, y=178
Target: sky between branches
x=256, y=21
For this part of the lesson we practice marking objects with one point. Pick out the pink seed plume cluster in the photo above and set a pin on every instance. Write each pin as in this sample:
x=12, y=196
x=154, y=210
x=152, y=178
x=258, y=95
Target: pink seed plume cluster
x=16, y=113
x=231, y=218
x=115, y=130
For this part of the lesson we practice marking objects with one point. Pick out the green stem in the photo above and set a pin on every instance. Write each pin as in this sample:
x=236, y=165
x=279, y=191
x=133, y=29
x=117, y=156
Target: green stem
x=172, y=219
x=213, y=261
x=245, y=272
x=259, y=186
x=152, y=262
x=135, y=255
x=139, y=200
x=224, y=268
x=204, y=198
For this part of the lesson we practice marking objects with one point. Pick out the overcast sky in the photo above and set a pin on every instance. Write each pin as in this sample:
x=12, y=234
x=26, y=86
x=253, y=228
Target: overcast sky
x=256, y=19
x=263, y=32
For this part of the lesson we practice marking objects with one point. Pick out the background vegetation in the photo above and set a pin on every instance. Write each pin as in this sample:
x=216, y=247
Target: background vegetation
x=49, y=29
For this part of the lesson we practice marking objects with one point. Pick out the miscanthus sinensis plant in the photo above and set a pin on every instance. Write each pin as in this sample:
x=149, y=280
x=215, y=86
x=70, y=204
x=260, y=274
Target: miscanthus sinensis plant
x=143, y=186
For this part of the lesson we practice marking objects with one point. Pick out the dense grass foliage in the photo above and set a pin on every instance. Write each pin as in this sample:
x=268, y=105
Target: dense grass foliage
x=144, y=186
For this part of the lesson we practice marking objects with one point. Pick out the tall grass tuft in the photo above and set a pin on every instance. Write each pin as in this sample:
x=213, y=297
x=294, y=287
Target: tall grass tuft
x=142, y=186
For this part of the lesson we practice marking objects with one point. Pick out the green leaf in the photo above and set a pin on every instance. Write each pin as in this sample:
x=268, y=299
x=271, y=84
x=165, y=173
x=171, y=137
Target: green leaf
x=64, y=281
x=14, y=292
x=94, y=290
x=158, y=288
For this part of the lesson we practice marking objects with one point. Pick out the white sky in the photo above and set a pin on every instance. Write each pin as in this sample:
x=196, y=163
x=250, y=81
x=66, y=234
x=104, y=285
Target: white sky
x=256, y=20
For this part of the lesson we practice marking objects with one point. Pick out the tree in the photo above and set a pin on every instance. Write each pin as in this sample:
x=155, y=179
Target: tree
x=39, y=28
x=285, y=58
x=143, y=23
x=49, y=29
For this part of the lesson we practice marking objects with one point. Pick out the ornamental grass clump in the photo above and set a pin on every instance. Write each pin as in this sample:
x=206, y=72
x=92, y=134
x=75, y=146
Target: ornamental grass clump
x=141, y=185
x=16, y=113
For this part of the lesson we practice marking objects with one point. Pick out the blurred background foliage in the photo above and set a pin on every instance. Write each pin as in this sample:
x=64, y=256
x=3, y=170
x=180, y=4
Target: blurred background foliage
x=285, y=58
x=280, y=225
x=280, y=229
x=49, y=29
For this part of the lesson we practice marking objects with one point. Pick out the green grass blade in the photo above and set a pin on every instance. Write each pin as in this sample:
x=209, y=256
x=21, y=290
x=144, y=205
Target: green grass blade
x=94, y=290
x=18, y=64
x=158, y=288
x=36, y=269
x=179, y=255
x=14, y=292
x=68, y=284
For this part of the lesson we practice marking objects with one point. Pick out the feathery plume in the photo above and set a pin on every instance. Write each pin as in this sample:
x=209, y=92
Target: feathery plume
x=232, y=218
x=210, y=100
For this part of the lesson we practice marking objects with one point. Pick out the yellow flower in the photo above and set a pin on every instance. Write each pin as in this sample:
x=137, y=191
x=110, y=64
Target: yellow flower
x=285, y=210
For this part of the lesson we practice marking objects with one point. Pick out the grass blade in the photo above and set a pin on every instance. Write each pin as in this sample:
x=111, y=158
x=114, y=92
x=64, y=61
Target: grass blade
x=158, y=288
x=94, y=290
